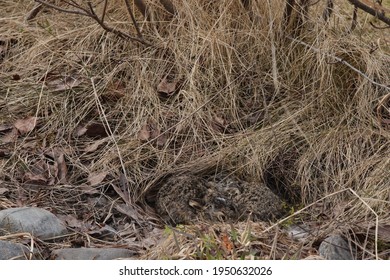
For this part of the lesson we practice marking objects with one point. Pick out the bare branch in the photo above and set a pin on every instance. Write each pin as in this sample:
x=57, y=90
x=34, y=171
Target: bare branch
x=379, y=27
x=376, y=12
x=128, y=6
x=288, y=11
x=168, y=6
x=34, y=12
x=75, y=12
x=140, y=4
x=104, y=10
x=92, y=14
x=354, y=19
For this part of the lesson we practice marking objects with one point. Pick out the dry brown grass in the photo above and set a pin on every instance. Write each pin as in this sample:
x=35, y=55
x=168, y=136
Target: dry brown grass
x=252, y=102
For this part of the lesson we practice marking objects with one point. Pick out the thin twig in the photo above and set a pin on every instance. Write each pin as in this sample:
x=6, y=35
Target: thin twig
x=92, y=14
x=354, y=19
x=104, y=10
x=143, y=9
x=75, y=12
x=169, y=7
x=34, y=12
x=128, y=6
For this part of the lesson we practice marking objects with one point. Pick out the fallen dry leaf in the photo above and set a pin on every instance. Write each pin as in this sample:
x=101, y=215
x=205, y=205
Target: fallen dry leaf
x=115, y=91
x=144, y=133
x=57, y=82
x=5, y=127
x=36, y=179
x=226, y=243
x=95, y=179
x=73, y=222
x=129, y=211
x=154, y=129
x=62, y=169
x=88, y=189
x=220, y=121
x=167, y=88
x=150, y=130
x=26, y=125
x=10, y=137
x=80, y=130
x=162, y=139
x=95, y=145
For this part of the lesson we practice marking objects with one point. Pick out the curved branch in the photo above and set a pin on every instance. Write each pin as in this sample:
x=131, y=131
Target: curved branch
x=376, y=12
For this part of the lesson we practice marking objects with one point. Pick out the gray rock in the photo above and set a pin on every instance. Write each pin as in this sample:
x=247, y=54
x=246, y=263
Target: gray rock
x=335, y=247
x=13, y=251
x=298, y=232
x=91, y=254
x=39, y=222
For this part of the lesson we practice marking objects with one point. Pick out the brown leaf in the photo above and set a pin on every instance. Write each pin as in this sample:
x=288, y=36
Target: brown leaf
x=166, y=88
x=150, y=130
x=26, y=125
x=80, y=130
x=162, y=140
x=37, y=179
x=72, y=221
x=5, y=127
x=95, y=179
x=226, y=243
x=56, y=82
x=95, y=145
x=115, y=91
x=123, y=193
x=10, y=137
x=129, y=211
x=154, y=129
x=144, y=133
x=88, y=189
x=62, y=169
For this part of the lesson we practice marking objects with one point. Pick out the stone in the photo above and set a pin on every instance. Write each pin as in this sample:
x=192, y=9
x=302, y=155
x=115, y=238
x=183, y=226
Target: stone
x=298, y=232
x=335, y=247
x=13, y=251
x=91, y=254
x=38, y=222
